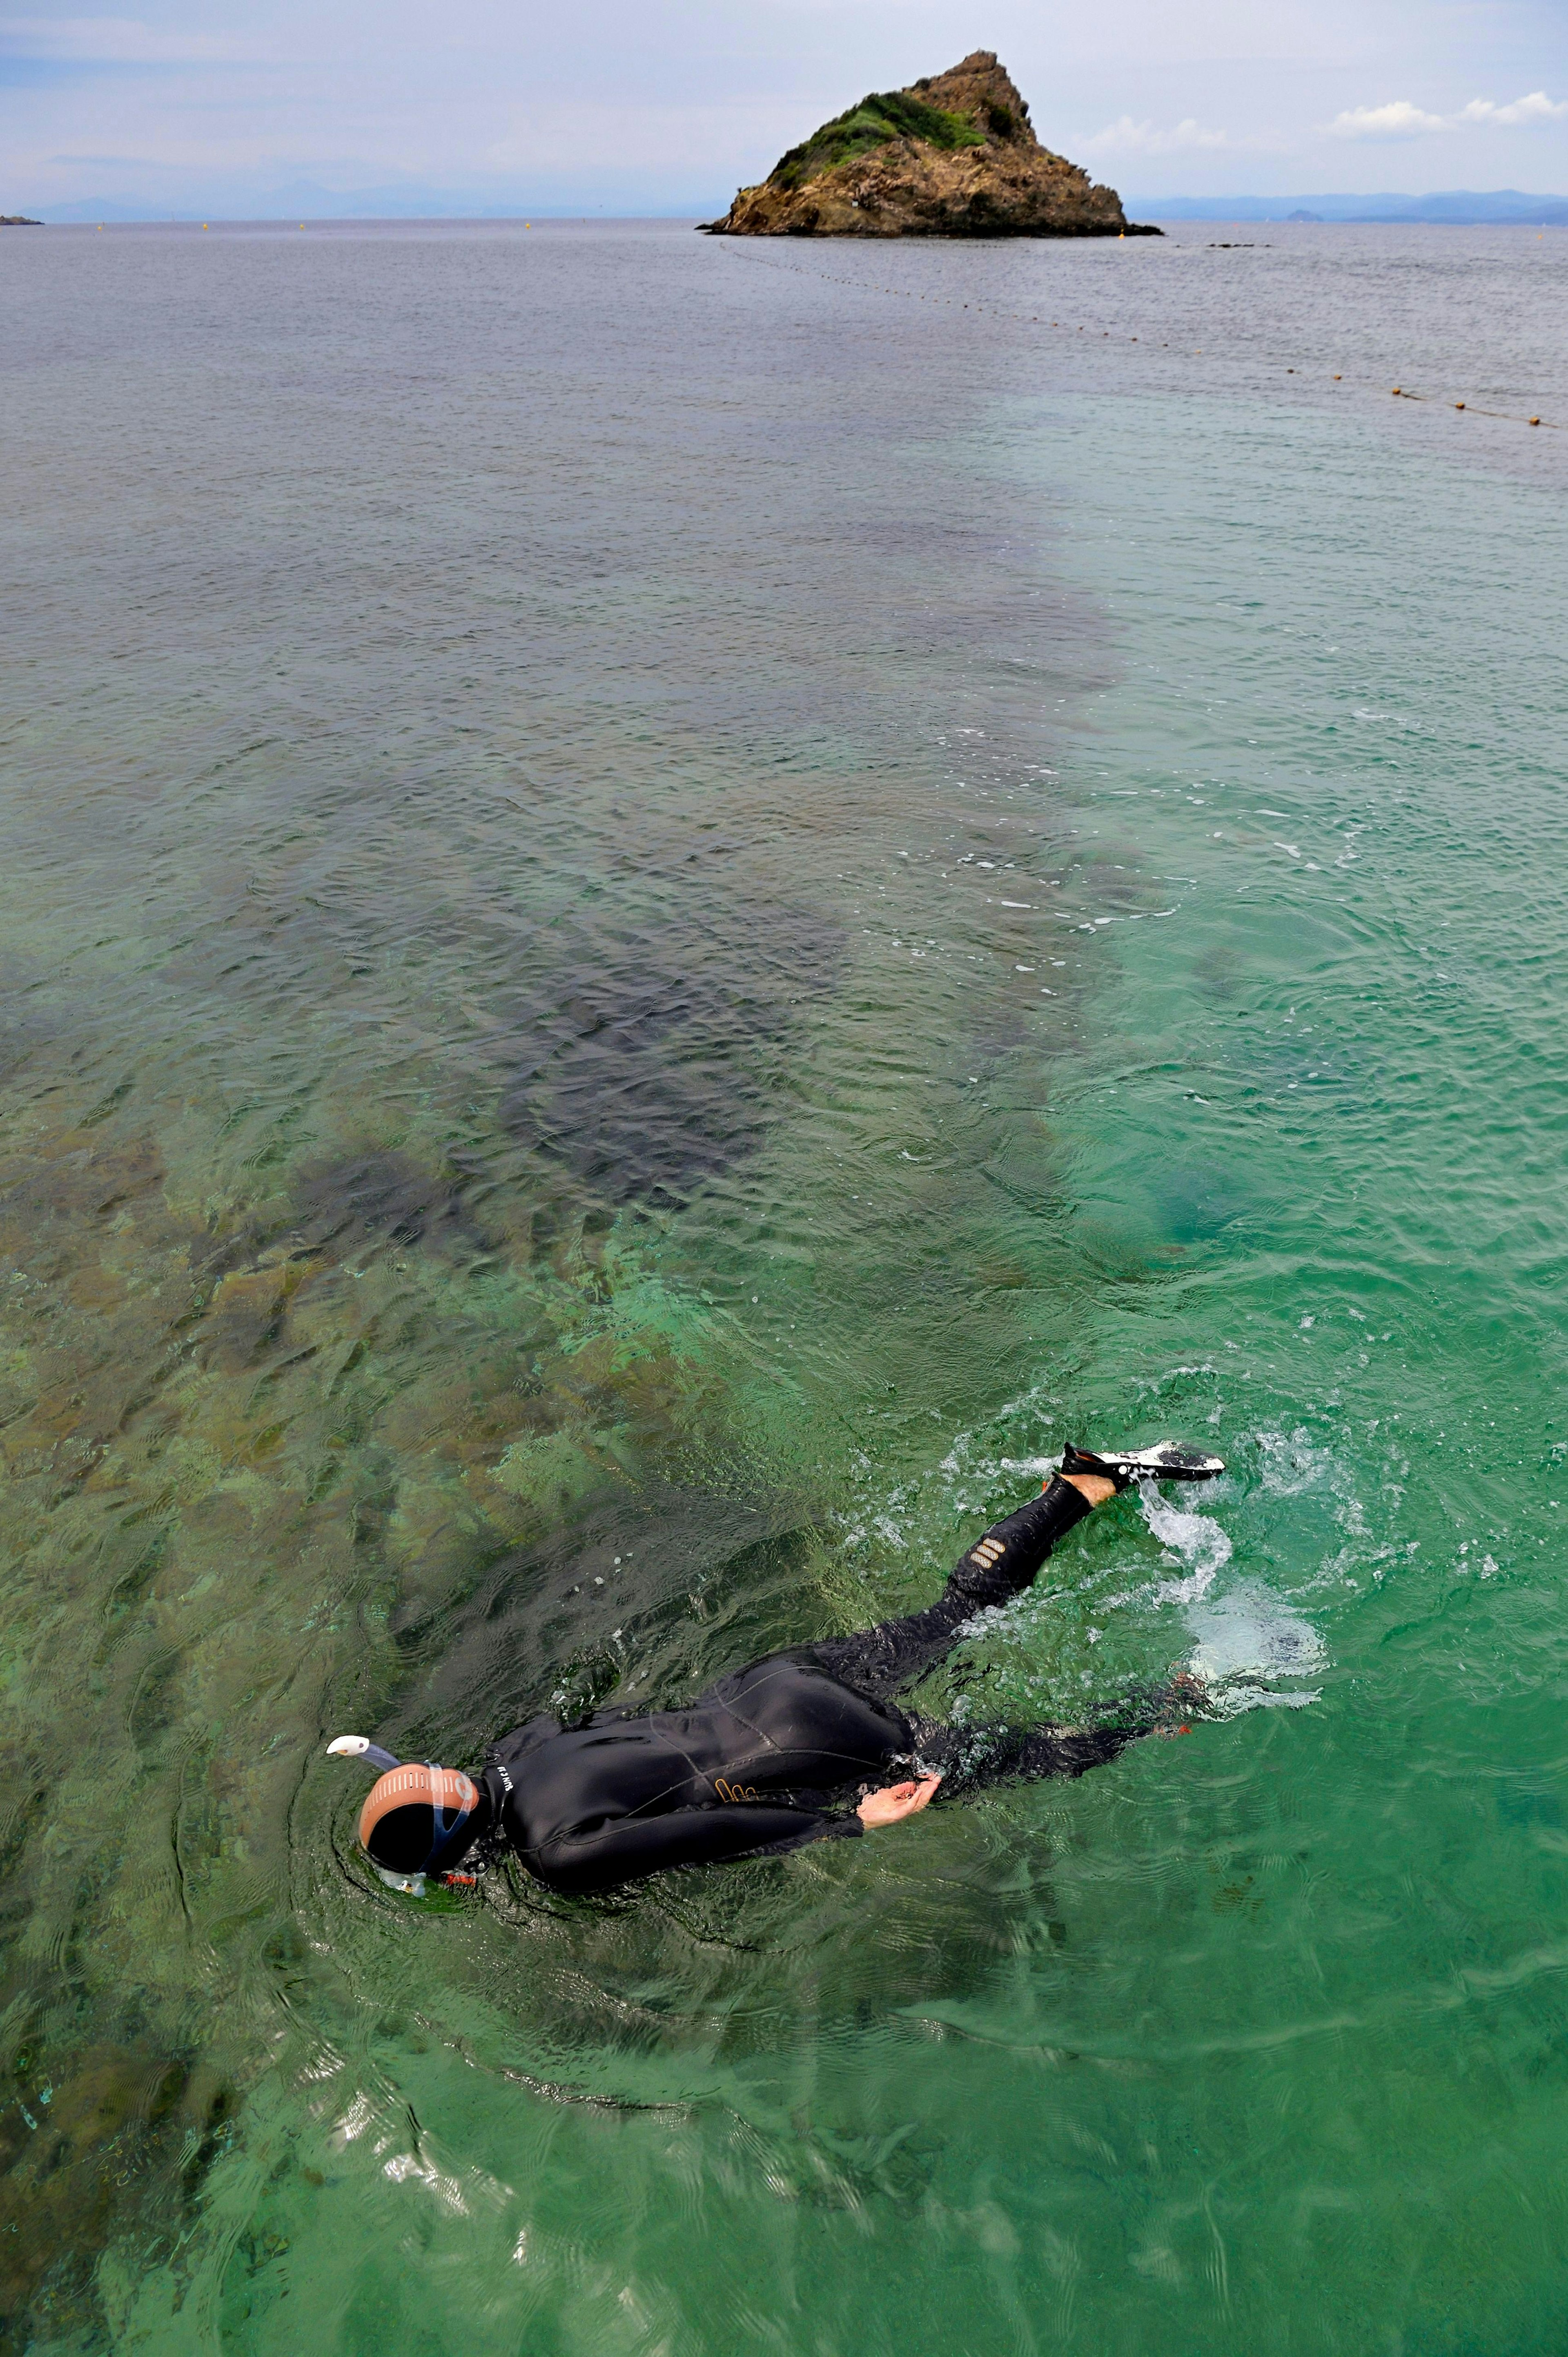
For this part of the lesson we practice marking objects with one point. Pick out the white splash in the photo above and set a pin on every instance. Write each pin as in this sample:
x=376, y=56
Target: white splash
x=1188, y=1537
x=1245, y=1640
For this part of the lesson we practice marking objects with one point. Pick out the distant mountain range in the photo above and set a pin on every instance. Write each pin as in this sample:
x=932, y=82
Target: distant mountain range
x=305, y=200
x=1457, y=207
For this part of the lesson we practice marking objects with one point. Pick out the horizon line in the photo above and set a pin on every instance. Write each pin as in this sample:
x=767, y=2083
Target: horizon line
x=433, y=204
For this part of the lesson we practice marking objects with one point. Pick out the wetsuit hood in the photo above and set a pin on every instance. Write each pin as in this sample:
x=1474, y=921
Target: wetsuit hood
x=418, y=1818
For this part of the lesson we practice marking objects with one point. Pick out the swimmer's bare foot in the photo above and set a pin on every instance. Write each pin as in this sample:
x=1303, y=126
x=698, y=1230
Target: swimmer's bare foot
x=1095, y=1487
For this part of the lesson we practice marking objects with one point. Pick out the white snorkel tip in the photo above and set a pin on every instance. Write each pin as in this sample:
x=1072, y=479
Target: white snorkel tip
x=359, y=1747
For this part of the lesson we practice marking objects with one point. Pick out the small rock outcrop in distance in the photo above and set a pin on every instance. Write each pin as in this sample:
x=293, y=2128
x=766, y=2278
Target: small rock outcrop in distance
x=955, y=156
x=18, y=220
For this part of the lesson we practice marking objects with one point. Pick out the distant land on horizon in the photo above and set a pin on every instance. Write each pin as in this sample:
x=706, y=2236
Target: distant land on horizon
x=306, y=200
x=1457, y=208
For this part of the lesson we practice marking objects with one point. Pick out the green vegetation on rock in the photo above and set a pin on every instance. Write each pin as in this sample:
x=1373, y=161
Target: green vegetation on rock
x=884, y=115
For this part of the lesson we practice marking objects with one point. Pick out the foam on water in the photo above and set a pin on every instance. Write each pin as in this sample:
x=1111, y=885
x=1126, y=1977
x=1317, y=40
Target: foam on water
x=1247, y=1638
x=1289, y=1463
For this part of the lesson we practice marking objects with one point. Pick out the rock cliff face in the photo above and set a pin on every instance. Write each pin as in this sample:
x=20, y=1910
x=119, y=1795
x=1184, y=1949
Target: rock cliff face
x=954, y=156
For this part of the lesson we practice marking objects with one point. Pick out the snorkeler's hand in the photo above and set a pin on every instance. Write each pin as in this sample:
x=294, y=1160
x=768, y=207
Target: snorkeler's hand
x=896, y=1800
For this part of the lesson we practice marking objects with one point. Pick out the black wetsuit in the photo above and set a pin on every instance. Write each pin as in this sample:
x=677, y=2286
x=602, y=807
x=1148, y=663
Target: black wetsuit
x=777, y=1754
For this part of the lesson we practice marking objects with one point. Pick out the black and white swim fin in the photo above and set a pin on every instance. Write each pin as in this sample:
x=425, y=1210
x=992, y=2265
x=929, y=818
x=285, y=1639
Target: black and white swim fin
x=1167, y=1462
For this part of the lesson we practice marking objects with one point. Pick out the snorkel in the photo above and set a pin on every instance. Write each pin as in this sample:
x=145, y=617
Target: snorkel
x=406, y=1785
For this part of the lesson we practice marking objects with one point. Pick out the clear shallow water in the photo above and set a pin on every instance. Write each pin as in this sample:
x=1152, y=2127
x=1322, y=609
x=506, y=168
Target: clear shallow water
x=663, y=915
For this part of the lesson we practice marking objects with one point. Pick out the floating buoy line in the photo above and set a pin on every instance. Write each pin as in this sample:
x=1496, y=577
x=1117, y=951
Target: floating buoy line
x=1036, y=319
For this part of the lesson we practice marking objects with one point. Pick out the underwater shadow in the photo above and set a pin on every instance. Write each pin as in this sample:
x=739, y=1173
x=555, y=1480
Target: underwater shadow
x=661, y=1058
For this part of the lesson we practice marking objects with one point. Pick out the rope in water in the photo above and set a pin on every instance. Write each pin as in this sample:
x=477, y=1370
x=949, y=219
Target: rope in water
x=1034, y=320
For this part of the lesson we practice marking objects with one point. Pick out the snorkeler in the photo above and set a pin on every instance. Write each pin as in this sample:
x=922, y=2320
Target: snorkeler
x=798, y=1748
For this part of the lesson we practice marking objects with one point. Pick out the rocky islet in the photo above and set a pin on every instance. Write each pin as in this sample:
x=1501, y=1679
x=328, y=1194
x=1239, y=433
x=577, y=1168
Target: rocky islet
x=953, y=155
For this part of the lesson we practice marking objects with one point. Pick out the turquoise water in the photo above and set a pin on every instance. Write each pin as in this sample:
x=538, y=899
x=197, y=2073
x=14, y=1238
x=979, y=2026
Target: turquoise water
x=662, y=917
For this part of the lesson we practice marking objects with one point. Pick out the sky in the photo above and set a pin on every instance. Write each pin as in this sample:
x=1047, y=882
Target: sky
x=666, y=106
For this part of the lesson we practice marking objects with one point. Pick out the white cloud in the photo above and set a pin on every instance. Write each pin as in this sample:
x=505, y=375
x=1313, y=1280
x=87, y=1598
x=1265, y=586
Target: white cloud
x=1402, y=120
x=1125, y=137
x=1536, y=108
x=1399, y=120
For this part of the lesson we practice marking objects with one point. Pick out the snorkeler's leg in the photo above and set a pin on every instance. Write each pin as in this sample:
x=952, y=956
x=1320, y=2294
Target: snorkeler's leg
x=997, y=1567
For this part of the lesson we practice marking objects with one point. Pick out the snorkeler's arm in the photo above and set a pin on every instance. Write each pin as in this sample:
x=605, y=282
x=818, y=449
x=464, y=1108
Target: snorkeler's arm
x=585, y=1862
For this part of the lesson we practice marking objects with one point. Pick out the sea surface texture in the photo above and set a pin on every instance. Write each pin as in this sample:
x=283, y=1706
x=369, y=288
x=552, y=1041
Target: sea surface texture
x=665, y=908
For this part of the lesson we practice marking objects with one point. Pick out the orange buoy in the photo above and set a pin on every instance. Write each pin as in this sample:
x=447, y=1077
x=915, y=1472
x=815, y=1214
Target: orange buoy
x=1535, y=421
x=1459, y=404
